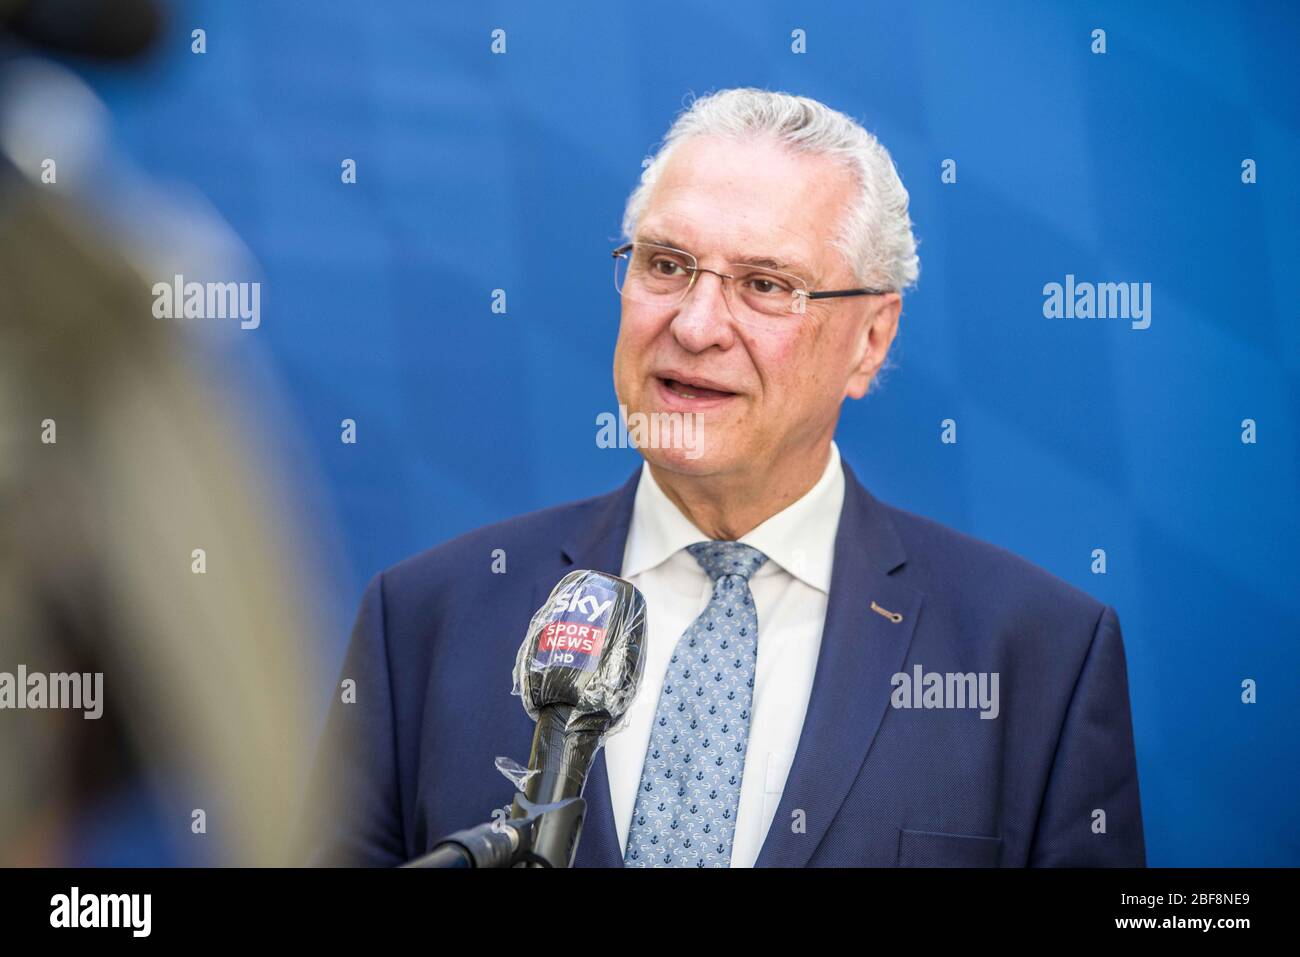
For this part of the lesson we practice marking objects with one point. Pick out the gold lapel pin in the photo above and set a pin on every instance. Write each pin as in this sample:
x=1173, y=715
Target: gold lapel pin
x=893, y=616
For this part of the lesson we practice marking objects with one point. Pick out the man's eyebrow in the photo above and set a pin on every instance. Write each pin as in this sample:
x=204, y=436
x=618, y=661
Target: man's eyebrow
x=795, y=267
x=660, y=240
x=791, y=266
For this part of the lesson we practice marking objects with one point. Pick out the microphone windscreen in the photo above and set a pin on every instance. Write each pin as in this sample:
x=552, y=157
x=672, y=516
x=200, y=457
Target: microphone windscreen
x=584, y=649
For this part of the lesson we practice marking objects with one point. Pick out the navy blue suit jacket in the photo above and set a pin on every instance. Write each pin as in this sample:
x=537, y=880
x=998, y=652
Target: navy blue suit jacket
x=1051, y=781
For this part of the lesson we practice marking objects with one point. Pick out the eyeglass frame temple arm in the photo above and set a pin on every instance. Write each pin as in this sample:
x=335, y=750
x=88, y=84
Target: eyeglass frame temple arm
x=831, y=294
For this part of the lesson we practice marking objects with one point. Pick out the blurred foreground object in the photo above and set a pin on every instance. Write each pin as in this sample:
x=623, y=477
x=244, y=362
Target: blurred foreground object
x=110, y=29
x=120, y=454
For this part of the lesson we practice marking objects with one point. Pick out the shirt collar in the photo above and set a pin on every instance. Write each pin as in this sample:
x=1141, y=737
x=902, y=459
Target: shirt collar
x=800, y=538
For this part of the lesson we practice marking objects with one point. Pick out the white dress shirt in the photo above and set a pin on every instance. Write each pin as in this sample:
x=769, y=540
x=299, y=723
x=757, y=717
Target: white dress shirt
x=790, y=595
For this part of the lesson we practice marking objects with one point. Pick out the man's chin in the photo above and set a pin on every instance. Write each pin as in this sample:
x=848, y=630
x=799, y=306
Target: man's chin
x=683, y=460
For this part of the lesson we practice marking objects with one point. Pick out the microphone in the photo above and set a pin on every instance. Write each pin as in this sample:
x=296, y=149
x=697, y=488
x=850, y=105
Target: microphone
x=577, y=671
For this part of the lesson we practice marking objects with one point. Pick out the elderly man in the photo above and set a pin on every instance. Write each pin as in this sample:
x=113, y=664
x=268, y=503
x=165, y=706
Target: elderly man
x=828, y=681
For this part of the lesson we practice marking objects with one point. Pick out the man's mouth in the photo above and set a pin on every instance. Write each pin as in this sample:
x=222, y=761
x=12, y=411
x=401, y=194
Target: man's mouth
x=689, y=389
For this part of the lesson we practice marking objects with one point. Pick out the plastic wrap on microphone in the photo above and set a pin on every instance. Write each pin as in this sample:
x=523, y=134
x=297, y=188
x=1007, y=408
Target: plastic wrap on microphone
x=584, y=648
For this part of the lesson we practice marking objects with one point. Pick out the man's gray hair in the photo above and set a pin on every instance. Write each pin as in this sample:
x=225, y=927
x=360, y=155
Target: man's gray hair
x=876, y=233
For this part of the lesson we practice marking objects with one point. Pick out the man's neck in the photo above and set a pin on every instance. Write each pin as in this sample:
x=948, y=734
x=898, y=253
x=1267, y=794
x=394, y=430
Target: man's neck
x=730, y=505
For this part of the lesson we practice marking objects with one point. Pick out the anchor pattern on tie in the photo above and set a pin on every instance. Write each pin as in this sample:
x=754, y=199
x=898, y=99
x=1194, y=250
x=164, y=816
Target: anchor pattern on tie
x=685, y=813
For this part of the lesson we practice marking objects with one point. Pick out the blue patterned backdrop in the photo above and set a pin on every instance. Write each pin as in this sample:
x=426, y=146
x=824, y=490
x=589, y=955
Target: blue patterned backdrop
x=478, y=172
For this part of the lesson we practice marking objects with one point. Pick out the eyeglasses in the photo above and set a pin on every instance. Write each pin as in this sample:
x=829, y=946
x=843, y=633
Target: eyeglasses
x=661, y=276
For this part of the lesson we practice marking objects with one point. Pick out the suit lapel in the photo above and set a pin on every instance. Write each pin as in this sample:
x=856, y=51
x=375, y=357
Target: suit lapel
x=861, y=650
x=596, y=541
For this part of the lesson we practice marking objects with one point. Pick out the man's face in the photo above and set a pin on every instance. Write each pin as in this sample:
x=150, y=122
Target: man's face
x=765, y=392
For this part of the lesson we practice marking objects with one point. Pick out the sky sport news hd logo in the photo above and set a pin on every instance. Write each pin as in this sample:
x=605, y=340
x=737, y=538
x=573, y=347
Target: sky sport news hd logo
x=575, y=633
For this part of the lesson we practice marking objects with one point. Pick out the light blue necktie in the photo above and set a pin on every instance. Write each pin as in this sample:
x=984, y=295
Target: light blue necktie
x=686, y=805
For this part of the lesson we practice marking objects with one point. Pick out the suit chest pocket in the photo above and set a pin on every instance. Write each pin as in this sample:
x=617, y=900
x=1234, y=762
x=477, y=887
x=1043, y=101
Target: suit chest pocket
x=937, y=849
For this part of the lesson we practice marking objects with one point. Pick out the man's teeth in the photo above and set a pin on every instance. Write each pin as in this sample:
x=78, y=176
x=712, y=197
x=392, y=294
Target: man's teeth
x=680, y=388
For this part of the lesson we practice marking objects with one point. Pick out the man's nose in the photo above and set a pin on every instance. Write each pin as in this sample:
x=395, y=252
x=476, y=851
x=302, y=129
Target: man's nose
x=704, y=317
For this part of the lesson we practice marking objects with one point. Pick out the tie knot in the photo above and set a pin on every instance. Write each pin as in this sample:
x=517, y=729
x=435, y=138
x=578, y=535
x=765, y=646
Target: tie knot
x=727, y=558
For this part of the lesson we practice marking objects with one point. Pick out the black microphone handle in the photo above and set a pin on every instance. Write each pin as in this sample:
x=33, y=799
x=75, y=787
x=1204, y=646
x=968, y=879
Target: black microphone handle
x=562, y=760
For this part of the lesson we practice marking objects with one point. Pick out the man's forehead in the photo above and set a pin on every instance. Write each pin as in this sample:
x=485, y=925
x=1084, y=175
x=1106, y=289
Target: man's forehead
x=748, y=202
x=704, y=232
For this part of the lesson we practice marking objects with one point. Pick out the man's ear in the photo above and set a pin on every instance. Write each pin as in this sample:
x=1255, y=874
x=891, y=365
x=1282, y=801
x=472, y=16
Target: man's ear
x=873, y=342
